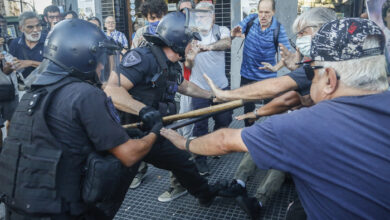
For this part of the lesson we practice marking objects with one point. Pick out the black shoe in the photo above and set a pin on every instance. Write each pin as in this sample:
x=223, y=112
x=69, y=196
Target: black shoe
x=202, y=166
x=250, y=205
x=207, y=200
x=232, y=189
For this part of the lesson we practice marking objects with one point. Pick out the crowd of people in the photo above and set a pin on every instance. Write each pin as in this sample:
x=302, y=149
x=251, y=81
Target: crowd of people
x=68, y=88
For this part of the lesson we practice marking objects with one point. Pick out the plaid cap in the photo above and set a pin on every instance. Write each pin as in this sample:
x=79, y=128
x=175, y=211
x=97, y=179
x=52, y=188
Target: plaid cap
x=343, y=40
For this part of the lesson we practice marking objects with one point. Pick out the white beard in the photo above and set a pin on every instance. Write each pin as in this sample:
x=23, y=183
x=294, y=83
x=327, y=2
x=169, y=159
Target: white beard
x=29, y=37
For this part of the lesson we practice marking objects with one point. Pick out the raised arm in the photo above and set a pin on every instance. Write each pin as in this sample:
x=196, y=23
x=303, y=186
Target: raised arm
x=191, y=89
x=264, y=89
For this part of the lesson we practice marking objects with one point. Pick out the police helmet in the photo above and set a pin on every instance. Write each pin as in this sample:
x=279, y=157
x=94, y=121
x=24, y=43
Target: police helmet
x=172, y=31
x=80, y=48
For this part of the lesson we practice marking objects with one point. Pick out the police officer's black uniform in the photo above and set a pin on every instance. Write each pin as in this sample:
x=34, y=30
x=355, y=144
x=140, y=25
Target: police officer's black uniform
x=56, y=128
x=156, y=80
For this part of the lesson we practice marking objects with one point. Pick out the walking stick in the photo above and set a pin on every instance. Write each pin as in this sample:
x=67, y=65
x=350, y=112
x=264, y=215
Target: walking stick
x=196, y=113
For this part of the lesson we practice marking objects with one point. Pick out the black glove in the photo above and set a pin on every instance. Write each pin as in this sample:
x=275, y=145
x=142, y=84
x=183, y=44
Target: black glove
x=151, y=118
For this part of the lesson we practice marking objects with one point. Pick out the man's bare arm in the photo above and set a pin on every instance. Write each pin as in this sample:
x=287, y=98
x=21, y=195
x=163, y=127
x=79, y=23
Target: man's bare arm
x=133, y=150
x=264, y=89
x=278, y=105
x=223, y=44
x=191, y=89
x=220, y=142
x=120, y=96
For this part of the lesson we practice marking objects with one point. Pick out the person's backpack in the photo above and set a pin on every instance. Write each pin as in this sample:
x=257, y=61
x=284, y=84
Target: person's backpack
x=216, y=32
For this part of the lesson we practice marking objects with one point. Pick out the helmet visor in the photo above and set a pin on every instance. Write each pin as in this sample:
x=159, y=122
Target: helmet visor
x=200, y=21
x=107, y=64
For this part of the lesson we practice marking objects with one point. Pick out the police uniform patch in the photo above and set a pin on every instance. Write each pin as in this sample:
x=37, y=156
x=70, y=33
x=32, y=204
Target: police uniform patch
x=131, y=58
x=111, y=109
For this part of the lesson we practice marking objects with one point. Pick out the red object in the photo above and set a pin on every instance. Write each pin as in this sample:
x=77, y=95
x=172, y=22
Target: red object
x=352, y=28
x=187, y=73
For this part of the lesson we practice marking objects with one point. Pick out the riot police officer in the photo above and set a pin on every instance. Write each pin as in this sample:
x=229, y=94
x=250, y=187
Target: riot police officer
x=149, y=78
x=66, y=154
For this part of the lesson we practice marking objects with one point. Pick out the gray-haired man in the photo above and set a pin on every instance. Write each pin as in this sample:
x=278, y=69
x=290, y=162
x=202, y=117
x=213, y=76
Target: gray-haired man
x=337, y=156
x=305, y=26
x=28, y=49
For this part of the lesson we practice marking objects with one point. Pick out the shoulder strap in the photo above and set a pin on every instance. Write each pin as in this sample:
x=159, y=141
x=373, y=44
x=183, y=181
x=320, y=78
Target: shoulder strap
x=216, y=32
x=158, y=54
x=249, y=25
x=276, y=40
x=276, y=35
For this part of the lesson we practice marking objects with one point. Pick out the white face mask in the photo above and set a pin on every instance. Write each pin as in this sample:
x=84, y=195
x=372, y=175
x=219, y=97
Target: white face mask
x=30, y=37
x=304, y=45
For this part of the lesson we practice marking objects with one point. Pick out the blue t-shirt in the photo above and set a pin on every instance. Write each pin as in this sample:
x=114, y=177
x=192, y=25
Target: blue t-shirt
x=259, y=47
x=337, y=151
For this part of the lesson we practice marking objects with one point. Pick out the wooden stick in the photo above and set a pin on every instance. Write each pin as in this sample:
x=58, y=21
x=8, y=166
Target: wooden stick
x=196, y=113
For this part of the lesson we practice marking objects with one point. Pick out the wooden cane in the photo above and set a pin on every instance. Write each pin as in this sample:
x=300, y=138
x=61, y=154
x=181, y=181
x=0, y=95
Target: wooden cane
x=196, y=113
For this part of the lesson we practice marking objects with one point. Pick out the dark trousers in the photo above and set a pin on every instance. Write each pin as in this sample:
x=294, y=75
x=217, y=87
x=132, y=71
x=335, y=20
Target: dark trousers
x=165, y=155
x=201, y=128
x=250, y=107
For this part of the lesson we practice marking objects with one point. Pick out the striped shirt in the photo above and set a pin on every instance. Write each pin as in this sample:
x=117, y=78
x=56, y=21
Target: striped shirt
x=119, y=37
x=259, y=47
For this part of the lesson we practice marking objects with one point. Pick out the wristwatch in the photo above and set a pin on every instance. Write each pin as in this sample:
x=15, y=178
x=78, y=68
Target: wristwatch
x=188, y=141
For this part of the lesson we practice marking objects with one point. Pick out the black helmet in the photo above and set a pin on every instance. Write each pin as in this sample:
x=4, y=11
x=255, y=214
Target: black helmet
x=78, y=47
x=172, y=32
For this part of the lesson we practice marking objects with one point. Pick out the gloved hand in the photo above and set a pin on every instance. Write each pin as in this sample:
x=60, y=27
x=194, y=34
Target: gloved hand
x=151, y=118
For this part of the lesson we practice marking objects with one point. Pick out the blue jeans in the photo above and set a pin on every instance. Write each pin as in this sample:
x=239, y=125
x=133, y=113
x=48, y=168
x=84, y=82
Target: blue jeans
x=222, y=120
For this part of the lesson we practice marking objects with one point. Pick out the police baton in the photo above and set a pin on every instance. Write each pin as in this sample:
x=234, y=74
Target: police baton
x=206, y=112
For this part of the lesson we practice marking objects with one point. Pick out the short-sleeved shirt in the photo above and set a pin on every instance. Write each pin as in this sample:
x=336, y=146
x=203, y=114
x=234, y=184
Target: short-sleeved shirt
x=80, y=116
x=302, y=81
x=139, y=65
x=338, y=152
x=119, y=37
x=259, y=47
x=211, y=63
x=138, y=71
x=20, y=50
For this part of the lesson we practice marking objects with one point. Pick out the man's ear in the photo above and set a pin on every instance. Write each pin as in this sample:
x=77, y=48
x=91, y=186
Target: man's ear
x=44, y=17
x=331, y=81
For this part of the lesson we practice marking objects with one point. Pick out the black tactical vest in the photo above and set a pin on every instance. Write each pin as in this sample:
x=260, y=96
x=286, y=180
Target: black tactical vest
x=160, y=87
x=31, y=179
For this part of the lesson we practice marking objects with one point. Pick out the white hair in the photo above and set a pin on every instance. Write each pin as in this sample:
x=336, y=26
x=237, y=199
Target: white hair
x=314, y=17
x=205, y=5
x=367, y=73
x=27, y=15
x=105, y=20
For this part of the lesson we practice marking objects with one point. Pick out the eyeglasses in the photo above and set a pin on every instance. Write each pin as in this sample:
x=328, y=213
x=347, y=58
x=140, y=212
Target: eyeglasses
x=110, y=22
x=309, y=70
x=54, y=17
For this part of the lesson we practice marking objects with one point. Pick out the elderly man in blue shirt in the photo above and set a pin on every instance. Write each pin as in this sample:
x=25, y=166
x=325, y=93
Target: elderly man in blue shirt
x=27, y=49
x=264, y=34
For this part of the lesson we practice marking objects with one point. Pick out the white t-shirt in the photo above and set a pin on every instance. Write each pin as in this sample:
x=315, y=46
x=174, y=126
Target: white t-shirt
x=211, y=63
